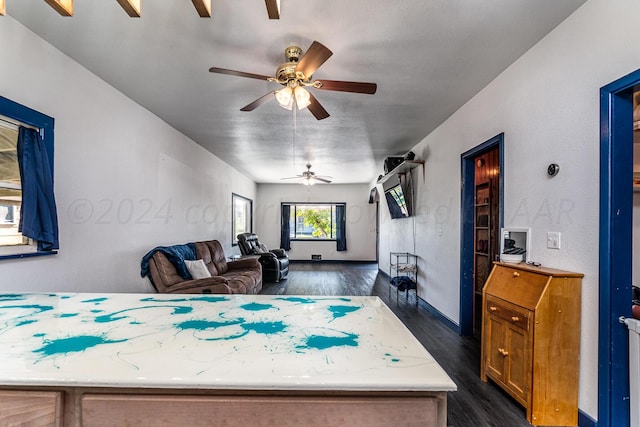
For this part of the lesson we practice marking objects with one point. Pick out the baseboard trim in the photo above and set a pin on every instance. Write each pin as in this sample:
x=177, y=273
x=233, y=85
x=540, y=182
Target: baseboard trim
x=437, y=313
x=431, y=309
x=329, y=261
x=585, y=420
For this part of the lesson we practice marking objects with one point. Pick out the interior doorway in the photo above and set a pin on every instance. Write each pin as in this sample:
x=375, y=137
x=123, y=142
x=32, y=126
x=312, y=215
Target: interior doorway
x=482, y=218
x=486, y=228
x=616, y=247
x=374, y=197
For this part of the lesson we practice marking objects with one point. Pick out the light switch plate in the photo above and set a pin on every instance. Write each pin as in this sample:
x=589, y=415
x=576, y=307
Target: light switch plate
x=553, y=240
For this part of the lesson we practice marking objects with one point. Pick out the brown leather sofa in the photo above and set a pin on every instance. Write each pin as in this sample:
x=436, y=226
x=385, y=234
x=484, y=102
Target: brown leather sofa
x=243, y=276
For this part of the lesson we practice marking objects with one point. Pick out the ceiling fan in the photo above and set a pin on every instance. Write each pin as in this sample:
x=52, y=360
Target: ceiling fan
x=295, y=75
x=309, y=178
x=273, y=8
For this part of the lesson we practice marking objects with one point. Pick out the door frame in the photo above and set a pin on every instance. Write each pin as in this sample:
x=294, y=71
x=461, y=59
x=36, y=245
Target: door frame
x=615, y=257
x=467, y=206
x=374, y=197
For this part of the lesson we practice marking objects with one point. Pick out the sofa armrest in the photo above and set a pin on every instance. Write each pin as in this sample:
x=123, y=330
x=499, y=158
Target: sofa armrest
x=280, y=253
x=214, y=285
x=248, y=263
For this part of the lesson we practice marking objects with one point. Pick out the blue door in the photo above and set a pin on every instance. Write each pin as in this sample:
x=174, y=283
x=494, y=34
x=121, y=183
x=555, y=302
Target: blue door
x=616, y=228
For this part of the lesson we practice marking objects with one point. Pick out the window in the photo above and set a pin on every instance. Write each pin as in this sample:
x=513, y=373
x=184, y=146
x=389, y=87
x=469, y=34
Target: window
x=10, y=187
x=242, y=216
x=313, y=221
x=26, y=134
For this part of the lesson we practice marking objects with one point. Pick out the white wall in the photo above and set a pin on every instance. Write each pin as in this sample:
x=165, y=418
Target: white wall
x=125, y=181
x=361, y=220
x=547, y=105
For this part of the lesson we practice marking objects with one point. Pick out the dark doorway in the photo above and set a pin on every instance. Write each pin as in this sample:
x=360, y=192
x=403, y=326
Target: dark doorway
x=481, y=220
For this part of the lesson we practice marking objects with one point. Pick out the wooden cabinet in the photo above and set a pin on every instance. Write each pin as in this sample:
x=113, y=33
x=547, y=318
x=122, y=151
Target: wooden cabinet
x=106, y=407
x=30, y=408
x=509, y=347
x=531, y=339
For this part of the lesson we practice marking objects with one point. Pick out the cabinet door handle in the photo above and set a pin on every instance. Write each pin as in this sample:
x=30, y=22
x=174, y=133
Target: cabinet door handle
x=503, y=352
x=515, y=319
x=516, y=274
x=493, y=308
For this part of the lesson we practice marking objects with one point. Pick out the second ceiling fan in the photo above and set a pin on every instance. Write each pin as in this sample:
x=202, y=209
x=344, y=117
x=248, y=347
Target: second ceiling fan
x=309, y=177
x=296, y=75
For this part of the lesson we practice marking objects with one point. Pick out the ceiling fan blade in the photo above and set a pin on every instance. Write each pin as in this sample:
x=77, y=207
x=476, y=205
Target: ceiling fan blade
x=259, y=102
x=315, y=56
x=273, y=8
x=316, y=109
x=355, y=87
x=292, y=177
x=317, y=178
x=238, y=73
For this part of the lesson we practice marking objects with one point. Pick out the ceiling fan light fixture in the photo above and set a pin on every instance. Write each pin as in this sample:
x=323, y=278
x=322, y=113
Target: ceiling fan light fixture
x=303, y=99
x=307, y=181
x=285, y=98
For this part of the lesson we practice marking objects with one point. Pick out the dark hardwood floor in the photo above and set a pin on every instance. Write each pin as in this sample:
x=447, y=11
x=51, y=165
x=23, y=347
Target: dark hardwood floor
x=475, y=404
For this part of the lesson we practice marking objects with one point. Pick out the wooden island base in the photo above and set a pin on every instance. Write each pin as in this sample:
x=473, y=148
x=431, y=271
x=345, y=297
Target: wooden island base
x=101, y=407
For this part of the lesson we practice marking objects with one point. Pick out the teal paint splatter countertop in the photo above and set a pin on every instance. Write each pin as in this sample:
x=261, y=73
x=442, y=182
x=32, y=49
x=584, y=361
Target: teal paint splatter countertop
x=257, y=342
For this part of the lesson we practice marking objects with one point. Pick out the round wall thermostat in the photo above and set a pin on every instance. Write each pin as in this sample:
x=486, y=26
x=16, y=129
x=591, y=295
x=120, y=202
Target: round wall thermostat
x=553, y=169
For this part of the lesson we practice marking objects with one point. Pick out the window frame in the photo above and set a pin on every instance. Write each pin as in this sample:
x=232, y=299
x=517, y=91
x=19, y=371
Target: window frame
x=292, y=229
x=249, y=206
x=18, y=114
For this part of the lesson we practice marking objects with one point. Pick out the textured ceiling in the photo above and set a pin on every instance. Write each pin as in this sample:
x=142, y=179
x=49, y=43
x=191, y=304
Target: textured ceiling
x=428, y=58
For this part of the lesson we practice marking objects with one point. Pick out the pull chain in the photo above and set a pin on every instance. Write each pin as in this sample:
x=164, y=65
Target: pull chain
x=294, y=134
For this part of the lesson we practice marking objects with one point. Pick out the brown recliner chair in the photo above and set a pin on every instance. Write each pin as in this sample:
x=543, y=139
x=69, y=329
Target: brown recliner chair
x=275, y=262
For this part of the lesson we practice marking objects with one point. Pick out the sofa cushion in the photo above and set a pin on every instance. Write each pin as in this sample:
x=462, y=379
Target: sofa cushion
x=167, y=273
x=197, y=268
x=259, y=249
x=212, y=250
x=203, y=252
x=245, y=280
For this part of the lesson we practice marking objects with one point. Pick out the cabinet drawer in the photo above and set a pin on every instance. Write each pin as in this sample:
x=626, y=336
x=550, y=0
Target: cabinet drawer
x=103, y=410
x=30, y=408
x=505, y=311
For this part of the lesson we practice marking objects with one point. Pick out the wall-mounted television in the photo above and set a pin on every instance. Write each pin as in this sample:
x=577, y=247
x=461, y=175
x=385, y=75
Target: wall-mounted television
x=396, y=196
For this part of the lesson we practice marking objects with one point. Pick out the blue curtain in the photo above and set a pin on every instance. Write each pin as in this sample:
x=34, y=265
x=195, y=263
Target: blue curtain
x=341, y=227
x=285, y=228
x=38, y=216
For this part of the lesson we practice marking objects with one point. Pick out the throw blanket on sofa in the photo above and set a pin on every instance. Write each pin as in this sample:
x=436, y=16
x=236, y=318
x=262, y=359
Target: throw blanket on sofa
x=176, y=254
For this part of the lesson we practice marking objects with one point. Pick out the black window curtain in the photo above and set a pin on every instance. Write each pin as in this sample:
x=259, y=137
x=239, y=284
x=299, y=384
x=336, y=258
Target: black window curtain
x=285, y=228
x=38, y=214
x=341, y=228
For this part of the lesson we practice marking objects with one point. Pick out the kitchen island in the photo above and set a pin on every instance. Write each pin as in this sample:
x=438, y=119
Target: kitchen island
x=213, y=360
